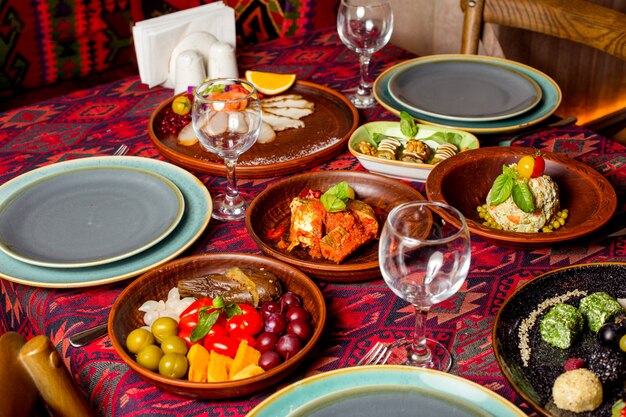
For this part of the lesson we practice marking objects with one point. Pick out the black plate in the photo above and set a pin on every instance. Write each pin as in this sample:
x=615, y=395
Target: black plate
x=534, y=382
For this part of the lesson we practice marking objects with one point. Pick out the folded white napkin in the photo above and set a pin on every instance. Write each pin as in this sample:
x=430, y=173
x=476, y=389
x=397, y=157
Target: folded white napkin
x=155, y=39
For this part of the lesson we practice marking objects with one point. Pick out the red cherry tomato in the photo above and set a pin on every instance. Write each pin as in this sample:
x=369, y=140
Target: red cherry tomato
x=540, y=166
x=189, y=317
x=185, y=334
x=221, y=344
x=240, y=337
x=249, y=321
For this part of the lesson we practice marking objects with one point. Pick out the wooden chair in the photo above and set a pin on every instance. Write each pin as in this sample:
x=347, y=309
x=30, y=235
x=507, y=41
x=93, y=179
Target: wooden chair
x=575, y=20
x=592, y=82
x=31, y=372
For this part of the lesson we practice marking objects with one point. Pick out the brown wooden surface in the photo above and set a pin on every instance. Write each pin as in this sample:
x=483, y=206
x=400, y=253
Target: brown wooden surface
x=155, y=285
x=33, y=369
x=270, y=210
x=589, y=197
x=593, y=81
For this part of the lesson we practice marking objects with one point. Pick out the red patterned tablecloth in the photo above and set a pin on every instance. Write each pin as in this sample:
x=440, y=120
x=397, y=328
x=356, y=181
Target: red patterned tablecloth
x=96, y=121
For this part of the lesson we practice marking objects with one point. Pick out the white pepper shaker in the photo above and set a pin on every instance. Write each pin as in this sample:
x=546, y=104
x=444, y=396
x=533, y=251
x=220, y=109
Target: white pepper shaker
x=222, y=61
x=189, y=70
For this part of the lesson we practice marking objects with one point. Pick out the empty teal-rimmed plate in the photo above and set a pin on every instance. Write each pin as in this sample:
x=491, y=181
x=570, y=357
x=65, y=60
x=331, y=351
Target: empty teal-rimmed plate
x=550, y=97
x=437, y=390
x=489, y=91
x=198, y=207
x=400, y=169
x=88, y=216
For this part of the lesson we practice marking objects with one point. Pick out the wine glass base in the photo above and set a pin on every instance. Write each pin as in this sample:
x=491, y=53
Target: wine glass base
x=439, y=359
x=226, y=210
x=362, y=101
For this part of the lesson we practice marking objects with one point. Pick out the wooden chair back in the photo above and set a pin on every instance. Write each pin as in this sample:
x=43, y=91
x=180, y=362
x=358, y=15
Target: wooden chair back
x=579, y=21
x=31, y=374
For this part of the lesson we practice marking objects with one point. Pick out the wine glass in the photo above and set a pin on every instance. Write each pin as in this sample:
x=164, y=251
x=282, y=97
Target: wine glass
x=226, y=117
x=424, y=254
x=364, y=26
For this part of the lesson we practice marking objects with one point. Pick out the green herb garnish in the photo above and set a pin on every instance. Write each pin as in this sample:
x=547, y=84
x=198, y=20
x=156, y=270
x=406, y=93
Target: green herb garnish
x=207, y=317
x=337, y=196
x=522, y=197
x=506, y=184
x=407, y=125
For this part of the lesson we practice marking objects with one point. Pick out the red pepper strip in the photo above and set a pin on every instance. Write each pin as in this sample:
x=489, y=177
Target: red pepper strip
x=275, y=233
x=311, y=194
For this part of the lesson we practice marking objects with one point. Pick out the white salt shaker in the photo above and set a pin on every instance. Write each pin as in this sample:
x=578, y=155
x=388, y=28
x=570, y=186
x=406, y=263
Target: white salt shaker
x=190, y=70
x=222, y=61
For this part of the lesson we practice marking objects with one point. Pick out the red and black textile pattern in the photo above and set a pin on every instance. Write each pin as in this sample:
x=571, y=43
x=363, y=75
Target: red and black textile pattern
x=256, y=20
x=44, y=42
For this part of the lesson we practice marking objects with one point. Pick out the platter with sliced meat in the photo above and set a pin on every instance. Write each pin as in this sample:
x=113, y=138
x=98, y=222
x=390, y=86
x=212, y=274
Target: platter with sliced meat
x=303, y=127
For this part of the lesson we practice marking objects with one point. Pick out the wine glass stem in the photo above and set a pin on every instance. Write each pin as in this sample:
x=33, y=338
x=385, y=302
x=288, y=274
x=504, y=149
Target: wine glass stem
x=232, y=194
x=419, y=350
x=364, y=88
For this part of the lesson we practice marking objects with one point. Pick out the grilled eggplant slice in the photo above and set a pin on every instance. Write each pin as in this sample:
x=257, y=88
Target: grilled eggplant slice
x=235, y=285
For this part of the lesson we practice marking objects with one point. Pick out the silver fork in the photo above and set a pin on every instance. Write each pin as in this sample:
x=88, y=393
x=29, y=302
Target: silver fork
x=122, y=150
x=377, y=355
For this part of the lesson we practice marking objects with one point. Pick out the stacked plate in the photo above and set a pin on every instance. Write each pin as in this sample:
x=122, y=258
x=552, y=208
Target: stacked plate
x=97, y=220
x=474, y=93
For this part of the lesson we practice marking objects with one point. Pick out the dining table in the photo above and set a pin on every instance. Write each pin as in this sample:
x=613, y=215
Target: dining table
x=96, y=121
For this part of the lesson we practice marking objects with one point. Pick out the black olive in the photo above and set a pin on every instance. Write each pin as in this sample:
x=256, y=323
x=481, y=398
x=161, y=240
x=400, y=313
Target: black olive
x=608, y=335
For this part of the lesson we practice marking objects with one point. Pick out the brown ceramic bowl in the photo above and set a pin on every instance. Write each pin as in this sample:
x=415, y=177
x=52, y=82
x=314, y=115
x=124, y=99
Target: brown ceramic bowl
x=270, y=210
x=325, y=134
x=464, y=181
x=154, y=285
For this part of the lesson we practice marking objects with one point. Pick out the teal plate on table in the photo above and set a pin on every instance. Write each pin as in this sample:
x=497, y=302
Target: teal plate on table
x=550, y=96
x=197, y=212
x=435, y=393
x=88, y=216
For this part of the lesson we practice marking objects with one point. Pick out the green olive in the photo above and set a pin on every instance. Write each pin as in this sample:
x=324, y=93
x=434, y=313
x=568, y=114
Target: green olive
x=149, y=357
x=163, y=327
x=173, y=365
x=138, y=339
x=174, y=344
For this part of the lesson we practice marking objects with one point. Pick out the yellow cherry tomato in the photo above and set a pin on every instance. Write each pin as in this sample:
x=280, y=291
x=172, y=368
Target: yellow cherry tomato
x=181, y=105
x=525, y=166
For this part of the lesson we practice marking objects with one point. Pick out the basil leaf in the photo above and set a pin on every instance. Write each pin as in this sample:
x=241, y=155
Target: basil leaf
x=407, y=125
x=218, y=302
x=377, y=137
x=523, y=197
x=232, y=310
x=332, y=203
x=501, y=189
x=438, y=137
x=205, y=323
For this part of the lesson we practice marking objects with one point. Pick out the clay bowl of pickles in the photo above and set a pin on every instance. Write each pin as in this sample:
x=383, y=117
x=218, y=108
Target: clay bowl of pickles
x=464, y=181
x=156, y=284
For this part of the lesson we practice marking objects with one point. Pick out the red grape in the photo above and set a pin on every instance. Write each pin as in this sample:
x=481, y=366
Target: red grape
x=270, y=359
x=288, y=345
x=289, y=299
x=297, y=313
x=275, y=323
x=268, y=308
x=300, y=328
x=266, y=341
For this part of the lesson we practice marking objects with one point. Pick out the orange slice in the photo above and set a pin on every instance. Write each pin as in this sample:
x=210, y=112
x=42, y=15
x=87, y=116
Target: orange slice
x=270, y=83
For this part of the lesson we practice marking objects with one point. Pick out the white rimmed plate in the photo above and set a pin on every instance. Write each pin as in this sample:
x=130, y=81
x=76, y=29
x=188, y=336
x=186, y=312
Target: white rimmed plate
x=198, y=207
x=88, y=216
x=293, y=399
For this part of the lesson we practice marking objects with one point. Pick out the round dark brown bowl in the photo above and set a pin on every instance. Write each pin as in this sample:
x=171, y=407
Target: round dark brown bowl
x=464, y=181
x=270, y=210
x=155, y=285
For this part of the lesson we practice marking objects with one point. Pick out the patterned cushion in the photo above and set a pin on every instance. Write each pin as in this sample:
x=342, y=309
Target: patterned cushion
x=47, y=41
